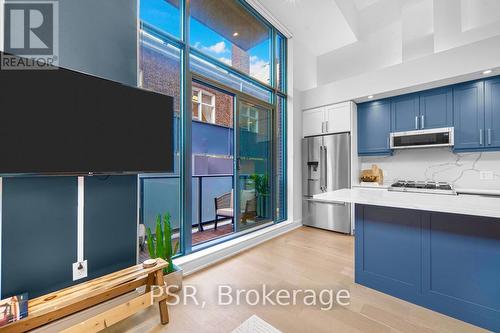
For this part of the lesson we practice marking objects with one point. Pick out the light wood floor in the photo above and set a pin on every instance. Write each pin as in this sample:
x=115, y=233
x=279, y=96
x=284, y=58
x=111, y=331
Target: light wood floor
x=304, y=258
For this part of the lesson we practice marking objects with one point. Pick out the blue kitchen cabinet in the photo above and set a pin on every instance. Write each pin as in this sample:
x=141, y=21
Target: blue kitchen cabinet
x=374, y=127
x=492, y=113
x=445, y=262
x=426, y=110
x=469, y=116
x=405, y=114
x=436, y=108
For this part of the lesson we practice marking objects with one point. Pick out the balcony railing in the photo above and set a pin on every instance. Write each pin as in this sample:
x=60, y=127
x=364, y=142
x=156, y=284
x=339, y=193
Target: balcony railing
x=160, y=194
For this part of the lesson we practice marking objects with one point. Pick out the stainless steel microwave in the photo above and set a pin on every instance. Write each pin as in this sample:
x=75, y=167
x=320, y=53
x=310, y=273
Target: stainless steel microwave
x=437, y=137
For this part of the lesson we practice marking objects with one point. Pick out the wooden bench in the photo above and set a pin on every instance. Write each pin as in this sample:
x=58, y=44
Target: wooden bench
x=54, y=306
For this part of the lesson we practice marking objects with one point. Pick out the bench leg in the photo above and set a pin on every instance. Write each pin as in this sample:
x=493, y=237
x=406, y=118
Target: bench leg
x=150, y=282
x=162, y=304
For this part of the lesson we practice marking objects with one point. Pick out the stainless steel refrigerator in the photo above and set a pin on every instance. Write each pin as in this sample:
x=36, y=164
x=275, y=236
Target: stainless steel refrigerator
x=326, y=167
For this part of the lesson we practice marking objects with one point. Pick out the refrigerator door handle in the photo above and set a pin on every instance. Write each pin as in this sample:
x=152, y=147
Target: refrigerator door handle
x=339, y=203
x=325, y=167
x=322, y=172
x=321, y=168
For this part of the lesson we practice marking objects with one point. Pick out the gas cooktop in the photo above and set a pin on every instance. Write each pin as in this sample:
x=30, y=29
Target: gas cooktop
x=423, y=187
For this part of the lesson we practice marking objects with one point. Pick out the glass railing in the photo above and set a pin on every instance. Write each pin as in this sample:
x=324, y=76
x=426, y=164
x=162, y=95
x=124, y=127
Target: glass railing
x=160, y=196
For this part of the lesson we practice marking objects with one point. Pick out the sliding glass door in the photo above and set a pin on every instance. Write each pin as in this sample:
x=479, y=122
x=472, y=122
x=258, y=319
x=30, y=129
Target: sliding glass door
x=253, y=164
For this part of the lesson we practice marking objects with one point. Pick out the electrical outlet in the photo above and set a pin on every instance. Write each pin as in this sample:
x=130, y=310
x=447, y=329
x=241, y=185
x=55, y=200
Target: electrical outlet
x=486, y=175
x=79, y=270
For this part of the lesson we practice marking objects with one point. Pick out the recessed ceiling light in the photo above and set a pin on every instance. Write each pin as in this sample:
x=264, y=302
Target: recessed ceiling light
x=235, y=34
x=370, y=97
x=489, y=71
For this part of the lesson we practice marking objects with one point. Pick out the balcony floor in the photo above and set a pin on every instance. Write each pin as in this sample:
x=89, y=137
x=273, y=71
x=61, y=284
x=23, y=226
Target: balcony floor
x=224, y=227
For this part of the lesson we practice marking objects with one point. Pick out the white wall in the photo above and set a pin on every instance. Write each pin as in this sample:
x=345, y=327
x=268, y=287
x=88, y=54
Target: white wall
x=439, y=164
x=417, y=29
x=379, y=49
x=305, y=68
x=294, y=134
x=451, y=66
x=479, y=13
x=458, y=23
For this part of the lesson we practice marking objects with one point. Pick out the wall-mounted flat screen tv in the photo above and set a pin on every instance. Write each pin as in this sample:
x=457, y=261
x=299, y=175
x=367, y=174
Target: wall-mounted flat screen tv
x=60, y=121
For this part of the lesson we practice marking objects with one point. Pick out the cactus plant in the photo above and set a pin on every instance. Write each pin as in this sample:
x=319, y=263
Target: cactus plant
x=160, y=246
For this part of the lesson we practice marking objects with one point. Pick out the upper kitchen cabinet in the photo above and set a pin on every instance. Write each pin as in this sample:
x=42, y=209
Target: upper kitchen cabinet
x=425, y=110
x=436, y=108
x=405, y=114
x=469, y=116
x=338, y=117
x=374, y=127
x=492, y=112
x=313, y=122
x=327, y=120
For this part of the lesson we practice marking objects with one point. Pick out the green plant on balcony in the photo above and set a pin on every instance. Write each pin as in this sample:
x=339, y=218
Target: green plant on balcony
x=160, y=246
x=261, y=184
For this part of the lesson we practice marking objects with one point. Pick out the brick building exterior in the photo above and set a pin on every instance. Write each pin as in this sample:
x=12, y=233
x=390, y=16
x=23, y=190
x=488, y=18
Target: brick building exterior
x=161, y=73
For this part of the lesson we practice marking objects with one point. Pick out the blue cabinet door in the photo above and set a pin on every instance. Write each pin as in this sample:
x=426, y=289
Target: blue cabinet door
x=445, y=262
x=436, y=108
x=405, y=113
x=468, y=118
x=492, y=112
x=374, y=127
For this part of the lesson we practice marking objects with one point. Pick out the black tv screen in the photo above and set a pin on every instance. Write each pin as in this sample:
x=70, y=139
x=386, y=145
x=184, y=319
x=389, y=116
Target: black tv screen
x=64, y=122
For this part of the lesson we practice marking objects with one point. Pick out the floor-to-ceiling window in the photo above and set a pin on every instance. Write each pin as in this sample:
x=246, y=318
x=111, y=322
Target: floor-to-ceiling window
x=225, y=66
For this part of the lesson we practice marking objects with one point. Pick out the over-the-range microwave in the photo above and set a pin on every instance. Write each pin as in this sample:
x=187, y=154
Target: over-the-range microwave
x=437, y=137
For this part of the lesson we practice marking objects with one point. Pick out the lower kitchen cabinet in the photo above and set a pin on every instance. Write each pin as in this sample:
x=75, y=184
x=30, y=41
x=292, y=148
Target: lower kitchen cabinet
x=449, y=263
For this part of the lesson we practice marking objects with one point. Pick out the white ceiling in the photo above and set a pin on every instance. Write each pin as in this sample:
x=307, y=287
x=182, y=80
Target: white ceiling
x=318, y=24
x=350, y=37
x=323, y=26
x=362, y=4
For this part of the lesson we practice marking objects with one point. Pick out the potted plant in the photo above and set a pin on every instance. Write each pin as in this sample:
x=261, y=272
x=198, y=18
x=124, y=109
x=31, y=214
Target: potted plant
x=261, y=184
x=160, y=246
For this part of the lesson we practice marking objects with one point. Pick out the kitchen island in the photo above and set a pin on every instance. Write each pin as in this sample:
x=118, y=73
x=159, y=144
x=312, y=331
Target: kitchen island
x=438, y=251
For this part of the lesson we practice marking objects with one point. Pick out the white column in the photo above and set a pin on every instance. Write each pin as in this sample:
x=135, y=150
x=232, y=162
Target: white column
x=1, y=200
x=80, y=218
x=2, y=20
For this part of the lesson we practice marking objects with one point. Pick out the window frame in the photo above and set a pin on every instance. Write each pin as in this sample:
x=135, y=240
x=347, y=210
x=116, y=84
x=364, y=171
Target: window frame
x=273, y=88
x=248, y=118
x=200, y=103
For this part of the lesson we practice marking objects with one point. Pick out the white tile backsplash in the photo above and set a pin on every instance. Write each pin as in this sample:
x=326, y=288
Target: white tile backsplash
x=439, y=164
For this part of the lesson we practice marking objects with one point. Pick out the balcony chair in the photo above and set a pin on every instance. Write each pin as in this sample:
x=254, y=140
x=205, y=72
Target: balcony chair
x=224, y=206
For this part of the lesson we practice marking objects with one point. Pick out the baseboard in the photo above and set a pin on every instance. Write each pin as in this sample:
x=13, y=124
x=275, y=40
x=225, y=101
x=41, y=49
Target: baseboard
x=204, y=258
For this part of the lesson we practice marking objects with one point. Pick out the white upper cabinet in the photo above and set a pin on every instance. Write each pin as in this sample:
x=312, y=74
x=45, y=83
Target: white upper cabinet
x=327, y=120
x=313, y=122
x=338, y=118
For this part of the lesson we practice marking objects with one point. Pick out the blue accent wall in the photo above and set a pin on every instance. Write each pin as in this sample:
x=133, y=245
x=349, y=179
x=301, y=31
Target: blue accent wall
x=445, y=262
x=110, y=223
x=39, y=234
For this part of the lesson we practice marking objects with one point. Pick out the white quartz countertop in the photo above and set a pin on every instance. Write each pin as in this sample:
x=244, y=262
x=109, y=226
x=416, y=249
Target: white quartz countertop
x=477, y=205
